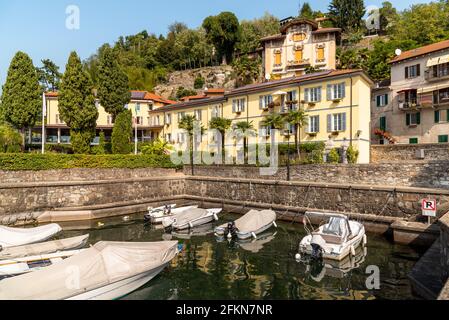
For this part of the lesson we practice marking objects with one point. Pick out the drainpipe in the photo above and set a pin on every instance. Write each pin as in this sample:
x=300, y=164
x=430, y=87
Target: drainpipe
x=350, y=125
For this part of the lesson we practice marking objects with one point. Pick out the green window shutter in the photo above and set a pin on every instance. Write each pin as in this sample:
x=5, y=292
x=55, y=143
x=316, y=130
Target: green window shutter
x=418, y=118
x=378, y=101
x=386, y=98
x=383, y=123
x=443, y=139
x=447, y=115
x=437, y=116
x=413, y=140
x=407, y=119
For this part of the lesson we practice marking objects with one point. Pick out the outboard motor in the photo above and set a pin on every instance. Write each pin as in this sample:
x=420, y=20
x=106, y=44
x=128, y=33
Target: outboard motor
x=230, y=230
x=167, y=210
x=317, y=252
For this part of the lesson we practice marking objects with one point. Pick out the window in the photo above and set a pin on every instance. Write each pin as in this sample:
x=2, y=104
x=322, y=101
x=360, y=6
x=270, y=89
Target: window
x=312, y=94
x=181, y=115
x=198, y=115
x=441, y=96
x=137, y=107
x=264, y=101
x=437, y=116
x=292, y=100
x=413, y=141
x=289, y=129
x=264, y=131
x=443, y=139
x=413, y=119
x=277, y=57
x=238, y=105
x=336, y=91
x=181, y=138
x=298, y=55
x=336, y=122
x=320, y=54
x=314, y=124
x=168, y=137
x=138, y=120
x=413, y=71
x=156, y=121
x=216, y=112
x=168, y=118
x=151, y=106
x=383, y=123
x=299, y=37
x=382, y=100
x=110, y=120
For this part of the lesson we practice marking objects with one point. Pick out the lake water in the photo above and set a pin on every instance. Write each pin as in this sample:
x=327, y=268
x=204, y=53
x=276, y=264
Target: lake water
x=264, y=269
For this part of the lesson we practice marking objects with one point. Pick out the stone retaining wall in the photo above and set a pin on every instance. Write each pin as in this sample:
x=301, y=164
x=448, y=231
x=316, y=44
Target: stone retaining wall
x=408, y=174
x=444, y=240
x=407, y=152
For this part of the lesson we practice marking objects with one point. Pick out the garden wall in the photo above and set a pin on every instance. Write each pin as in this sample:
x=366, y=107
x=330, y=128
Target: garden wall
x=407, y=152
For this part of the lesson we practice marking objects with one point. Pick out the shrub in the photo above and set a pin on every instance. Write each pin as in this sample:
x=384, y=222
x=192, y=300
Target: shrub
x=199, y=82
x=352, y=155
x=122, y=133
x=59, y=148
x=183, y=92
x=157, y=147
x=101, y=148
x=10, y=139
x=52, y=161
x=333, y=156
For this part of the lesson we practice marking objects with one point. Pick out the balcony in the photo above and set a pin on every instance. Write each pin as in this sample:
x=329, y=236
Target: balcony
x=301, y=64
x=409, y=105
x=437, y=73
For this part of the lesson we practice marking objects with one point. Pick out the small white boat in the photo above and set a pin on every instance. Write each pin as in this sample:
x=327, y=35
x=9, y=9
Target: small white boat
x=44, y=247
x=191, y=218
x=156, y=216
x=14, y=237
x=17, y=266
x=106, y=271
x=250, y=225
x=335, y=240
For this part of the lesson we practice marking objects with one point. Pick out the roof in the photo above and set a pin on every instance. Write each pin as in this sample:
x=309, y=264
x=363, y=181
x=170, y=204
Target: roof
x=212, y=90
x=313, y=23
x=188, y=104
x=273, y=37
x=421, y=51
x=326, y=30
x=197, y=97
x=52, y=94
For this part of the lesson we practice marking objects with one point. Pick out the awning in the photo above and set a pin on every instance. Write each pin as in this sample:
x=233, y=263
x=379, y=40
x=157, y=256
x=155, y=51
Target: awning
x=438, y=60
x=279, y=93
x=404, y=90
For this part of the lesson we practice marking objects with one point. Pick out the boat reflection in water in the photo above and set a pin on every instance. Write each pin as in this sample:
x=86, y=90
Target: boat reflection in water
x=319, y=269
x=251, y=245
x=187, y=234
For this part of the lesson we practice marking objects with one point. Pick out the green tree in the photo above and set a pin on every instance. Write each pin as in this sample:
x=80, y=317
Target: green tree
x=157, y=147
x=77, y=105
x=21, y=98
x=333, y=156
x=223, y=31
x=49, y=75
x=246, y=128
x=274, y=121
x=222, y=125
x=199, y=82
x=246, y=70
x=190, y=124
x=252, y=31
x=10, y=139
x=122, y=134
x=306, y=11
x=347, y=14
x=298, y=119
x=113, y=90
x=183, y=92
x=388, y=16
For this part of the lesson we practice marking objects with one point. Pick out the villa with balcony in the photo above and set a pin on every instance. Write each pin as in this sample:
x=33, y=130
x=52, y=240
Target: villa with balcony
x=414, y=106
x=301, y=44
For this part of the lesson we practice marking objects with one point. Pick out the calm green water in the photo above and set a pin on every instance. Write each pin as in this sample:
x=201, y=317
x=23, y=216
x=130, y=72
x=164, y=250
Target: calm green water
x=265, y=269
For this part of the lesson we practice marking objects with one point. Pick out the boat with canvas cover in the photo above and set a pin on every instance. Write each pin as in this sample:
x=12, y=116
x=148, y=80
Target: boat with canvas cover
x=14, y=237
x=17, y=266
x=106, y=271
x=155, y=216
x=334, y=240
x=250, y=225
x=44, y=247
x=191, y=218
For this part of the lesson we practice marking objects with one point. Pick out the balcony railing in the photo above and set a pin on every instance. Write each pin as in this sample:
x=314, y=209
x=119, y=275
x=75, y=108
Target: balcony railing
x=409, y=104
x=437, y=73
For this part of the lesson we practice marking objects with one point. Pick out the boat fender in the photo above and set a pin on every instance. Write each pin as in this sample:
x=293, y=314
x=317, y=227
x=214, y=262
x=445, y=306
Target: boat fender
x=229, y=236
x=353, y=250
x=254, y=235
x=365, y=240
x=215, y=217
x=274, y=224
x=190, y=225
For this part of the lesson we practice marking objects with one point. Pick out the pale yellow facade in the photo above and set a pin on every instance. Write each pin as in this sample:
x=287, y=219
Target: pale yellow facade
x=337, y=120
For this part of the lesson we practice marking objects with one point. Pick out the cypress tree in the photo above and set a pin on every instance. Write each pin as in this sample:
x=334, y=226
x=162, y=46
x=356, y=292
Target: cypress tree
x=77, y=105
x=113, y=90
x=21, y=98
x=122, y=134
x=347, y=14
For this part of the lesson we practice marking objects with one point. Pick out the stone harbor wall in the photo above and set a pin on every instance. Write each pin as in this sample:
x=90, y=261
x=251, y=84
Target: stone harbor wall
x=407, y=152
x=433, y=174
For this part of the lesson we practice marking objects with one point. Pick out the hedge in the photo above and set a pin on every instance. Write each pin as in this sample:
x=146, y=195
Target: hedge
x=36, y=162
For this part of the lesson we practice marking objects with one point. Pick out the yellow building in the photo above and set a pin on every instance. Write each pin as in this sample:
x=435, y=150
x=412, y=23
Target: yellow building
x=337, y=104
x=57, y=132
x=301, y=44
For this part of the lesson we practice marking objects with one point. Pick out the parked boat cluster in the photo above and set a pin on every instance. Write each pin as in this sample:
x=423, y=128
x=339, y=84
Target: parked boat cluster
x=33, y=268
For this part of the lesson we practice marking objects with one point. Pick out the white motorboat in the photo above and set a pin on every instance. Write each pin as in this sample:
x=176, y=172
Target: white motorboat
x=156, y=216
x=334, y=240
x=250, y=225
x=44, y=247
x=191, y=218
x=106, y=271
x=14, y=237
x=17, y=266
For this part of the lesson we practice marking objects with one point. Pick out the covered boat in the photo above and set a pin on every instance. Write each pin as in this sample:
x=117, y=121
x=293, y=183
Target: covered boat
x=156, y=216
x=44, y=247
x=108, y=270
x=191, y=218
x=250, y=225
x=334, y=240
x=14, y=237
x=17, y=266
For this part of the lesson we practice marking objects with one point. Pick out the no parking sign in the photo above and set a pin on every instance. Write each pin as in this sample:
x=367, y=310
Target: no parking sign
x=429, y=207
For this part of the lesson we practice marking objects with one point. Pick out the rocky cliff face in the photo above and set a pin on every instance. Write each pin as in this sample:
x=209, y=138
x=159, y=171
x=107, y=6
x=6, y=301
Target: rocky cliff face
x=215, y=77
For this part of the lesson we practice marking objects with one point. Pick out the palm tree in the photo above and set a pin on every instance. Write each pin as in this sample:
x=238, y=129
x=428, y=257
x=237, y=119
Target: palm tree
x=245, y=127
x=298, y=119
x=274, y=121
x=189, y=123
x=222, y=125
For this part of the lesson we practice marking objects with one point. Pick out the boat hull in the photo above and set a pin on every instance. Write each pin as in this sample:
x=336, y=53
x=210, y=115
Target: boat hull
x=198, y=222
x=158, y=217
x=247, y=235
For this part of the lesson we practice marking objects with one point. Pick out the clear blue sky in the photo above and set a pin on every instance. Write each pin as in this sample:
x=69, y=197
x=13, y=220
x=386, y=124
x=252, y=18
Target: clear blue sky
x=37, y=27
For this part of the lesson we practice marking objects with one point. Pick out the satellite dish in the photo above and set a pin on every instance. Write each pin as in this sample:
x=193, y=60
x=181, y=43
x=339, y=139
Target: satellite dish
x=268, y=76
x=398, y=52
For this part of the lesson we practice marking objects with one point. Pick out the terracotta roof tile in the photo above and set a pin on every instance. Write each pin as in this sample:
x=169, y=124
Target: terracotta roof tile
x=421, y=51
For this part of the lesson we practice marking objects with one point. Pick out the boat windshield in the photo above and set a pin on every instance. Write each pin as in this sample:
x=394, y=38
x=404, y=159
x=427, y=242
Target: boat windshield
x=337, y=226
